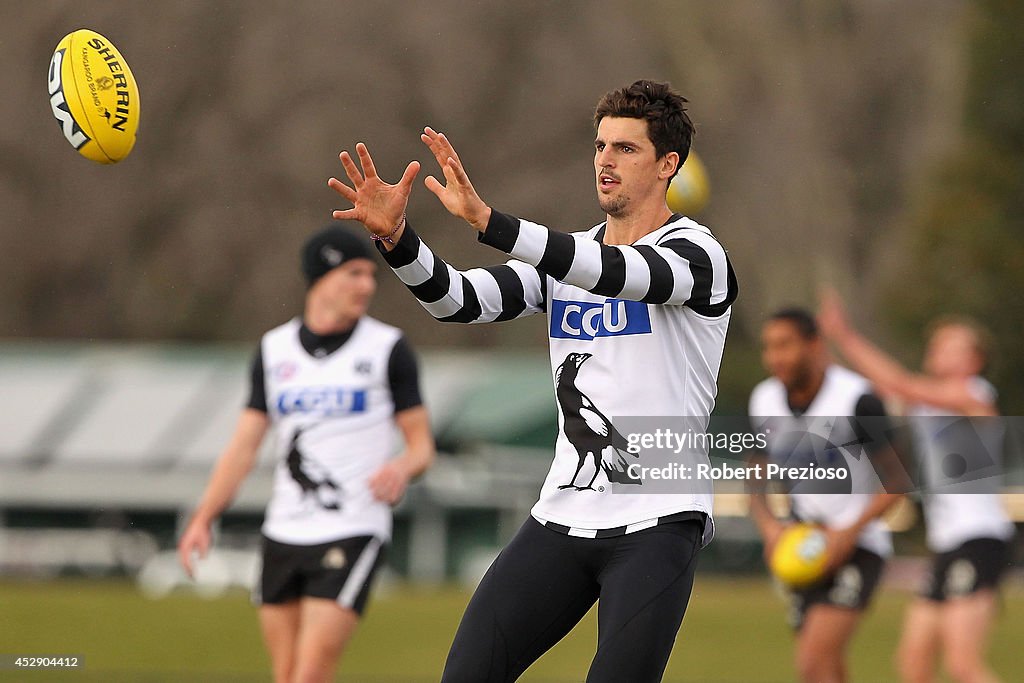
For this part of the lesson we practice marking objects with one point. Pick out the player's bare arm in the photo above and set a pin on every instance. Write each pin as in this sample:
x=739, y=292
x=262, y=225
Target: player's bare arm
x=768, y=525
x=378, y=205
x=841, y=543
x=392, y=479
x=891, y=377
x=232, y=467
x=458, y=195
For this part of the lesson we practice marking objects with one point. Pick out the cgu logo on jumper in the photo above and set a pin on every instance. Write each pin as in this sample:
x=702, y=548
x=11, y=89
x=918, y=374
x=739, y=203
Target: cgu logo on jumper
x=327, y=401
x=587, y=320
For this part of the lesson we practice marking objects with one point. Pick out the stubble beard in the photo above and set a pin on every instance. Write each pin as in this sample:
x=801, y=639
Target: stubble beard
x=615, y=207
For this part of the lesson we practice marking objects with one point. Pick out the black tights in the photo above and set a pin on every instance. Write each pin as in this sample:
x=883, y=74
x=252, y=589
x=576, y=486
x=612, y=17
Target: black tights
x=544, y=582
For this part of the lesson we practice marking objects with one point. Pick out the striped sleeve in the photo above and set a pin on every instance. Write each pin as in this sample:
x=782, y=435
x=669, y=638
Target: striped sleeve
x=478, y=295
x=686, y=266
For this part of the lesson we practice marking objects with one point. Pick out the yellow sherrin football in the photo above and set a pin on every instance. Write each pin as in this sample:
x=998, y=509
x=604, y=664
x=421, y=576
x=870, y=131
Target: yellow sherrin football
x=799, y=558
x=689, y=190
x=93, y=96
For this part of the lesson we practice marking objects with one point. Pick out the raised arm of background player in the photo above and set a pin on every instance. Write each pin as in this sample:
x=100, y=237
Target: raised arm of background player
x=388, y=483
x=886, y=373
x=687, y=267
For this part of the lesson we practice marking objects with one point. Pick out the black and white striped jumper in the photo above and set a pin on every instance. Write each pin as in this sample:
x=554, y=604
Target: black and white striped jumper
x=633, y=330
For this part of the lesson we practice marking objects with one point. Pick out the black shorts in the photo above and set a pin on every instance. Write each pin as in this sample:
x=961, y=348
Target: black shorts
x=341, y=570
x=975, y=565
x=850, y=587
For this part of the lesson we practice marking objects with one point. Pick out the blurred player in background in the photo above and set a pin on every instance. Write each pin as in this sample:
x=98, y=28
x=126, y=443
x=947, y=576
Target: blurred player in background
x=967, y=528
x=334, y=384
x=805, y=408
x=638, y=307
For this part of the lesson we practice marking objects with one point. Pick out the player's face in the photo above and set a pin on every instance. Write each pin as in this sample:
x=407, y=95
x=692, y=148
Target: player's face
x=349, y=288
x=627, y=170
x=953, y=352
x=787, y=354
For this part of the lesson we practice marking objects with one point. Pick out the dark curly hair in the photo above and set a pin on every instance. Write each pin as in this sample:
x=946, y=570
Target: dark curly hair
x=668, y=126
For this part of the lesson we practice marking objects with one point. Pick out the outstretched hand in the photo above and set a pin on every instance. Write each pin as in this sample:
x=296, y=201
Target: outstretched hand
x=458, y=194
x=376, y=204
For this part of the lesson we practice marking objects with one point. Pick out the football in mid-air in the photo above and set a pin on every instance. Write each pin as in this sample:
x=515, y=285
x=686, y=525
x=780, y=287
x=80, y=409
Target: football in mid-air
x=689, y=191
x=799, y=558
x=93, y=96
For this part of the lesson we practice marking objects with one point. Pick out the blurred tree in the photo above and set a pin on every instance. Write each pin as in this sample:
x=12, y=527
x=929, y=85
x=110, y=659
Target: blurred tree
x=965, y=249
x=815, y=118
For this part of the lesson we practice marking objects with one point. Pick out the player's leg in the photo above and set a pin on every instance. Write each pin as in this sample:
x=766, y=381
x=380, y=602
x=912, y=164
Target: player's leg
x=822, y=642
x=645, y=588
x=538, y=588
x=966, y=580
x=325, y=628
x=338, y=578
x=828, y=616
x=918, y=651
x=966, y=624
x=280, y=626
x=277, y=594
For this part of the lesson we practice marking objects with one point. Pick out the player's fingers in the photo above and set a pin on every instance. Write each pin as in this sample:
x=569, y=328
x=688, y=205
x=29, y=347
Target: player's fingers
x=425, y=139
x=409, y=176
x=342, y=189
x=387, y=492
x=185, y=557
x=458, y=172
x=450, y=173
x=366, y=161
x=399, y=494
x=430, y=139
x=379, y=481
x=446, y=146
x=434, y=185
x=393, y=487
x=439, y=145
x=347, y=215
x=382, y=492
x=351, y=170
x=204, y=545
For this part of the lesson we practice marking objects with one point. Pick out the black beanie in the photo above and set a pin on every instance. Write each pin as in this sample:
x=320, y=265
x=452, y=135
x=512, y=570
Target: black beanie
x=331, y=247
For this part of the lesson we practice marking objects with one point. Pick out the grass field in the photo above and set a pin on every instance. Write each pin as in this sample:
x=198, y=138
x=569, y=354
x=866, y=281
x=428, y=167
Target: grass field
x=733, y=633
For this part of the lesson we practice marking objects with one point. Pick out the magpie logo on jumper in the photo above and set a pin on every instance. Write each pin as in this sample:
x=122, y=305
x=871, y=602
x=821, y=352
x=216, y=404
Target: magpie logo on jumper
x=322, y=401
x=588, y=320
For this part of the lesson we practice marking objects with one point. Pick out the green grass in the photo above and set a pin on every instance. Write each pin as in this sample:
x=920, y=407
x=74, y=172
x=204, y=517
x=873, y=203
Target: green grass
x=733, y=633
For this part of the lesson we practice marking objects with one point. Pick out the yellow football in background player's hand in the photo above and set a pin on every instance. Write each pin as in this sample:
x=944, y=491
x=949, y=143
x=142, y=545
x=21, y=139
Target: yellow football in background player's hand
x=93, y=96
x=800, y=556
